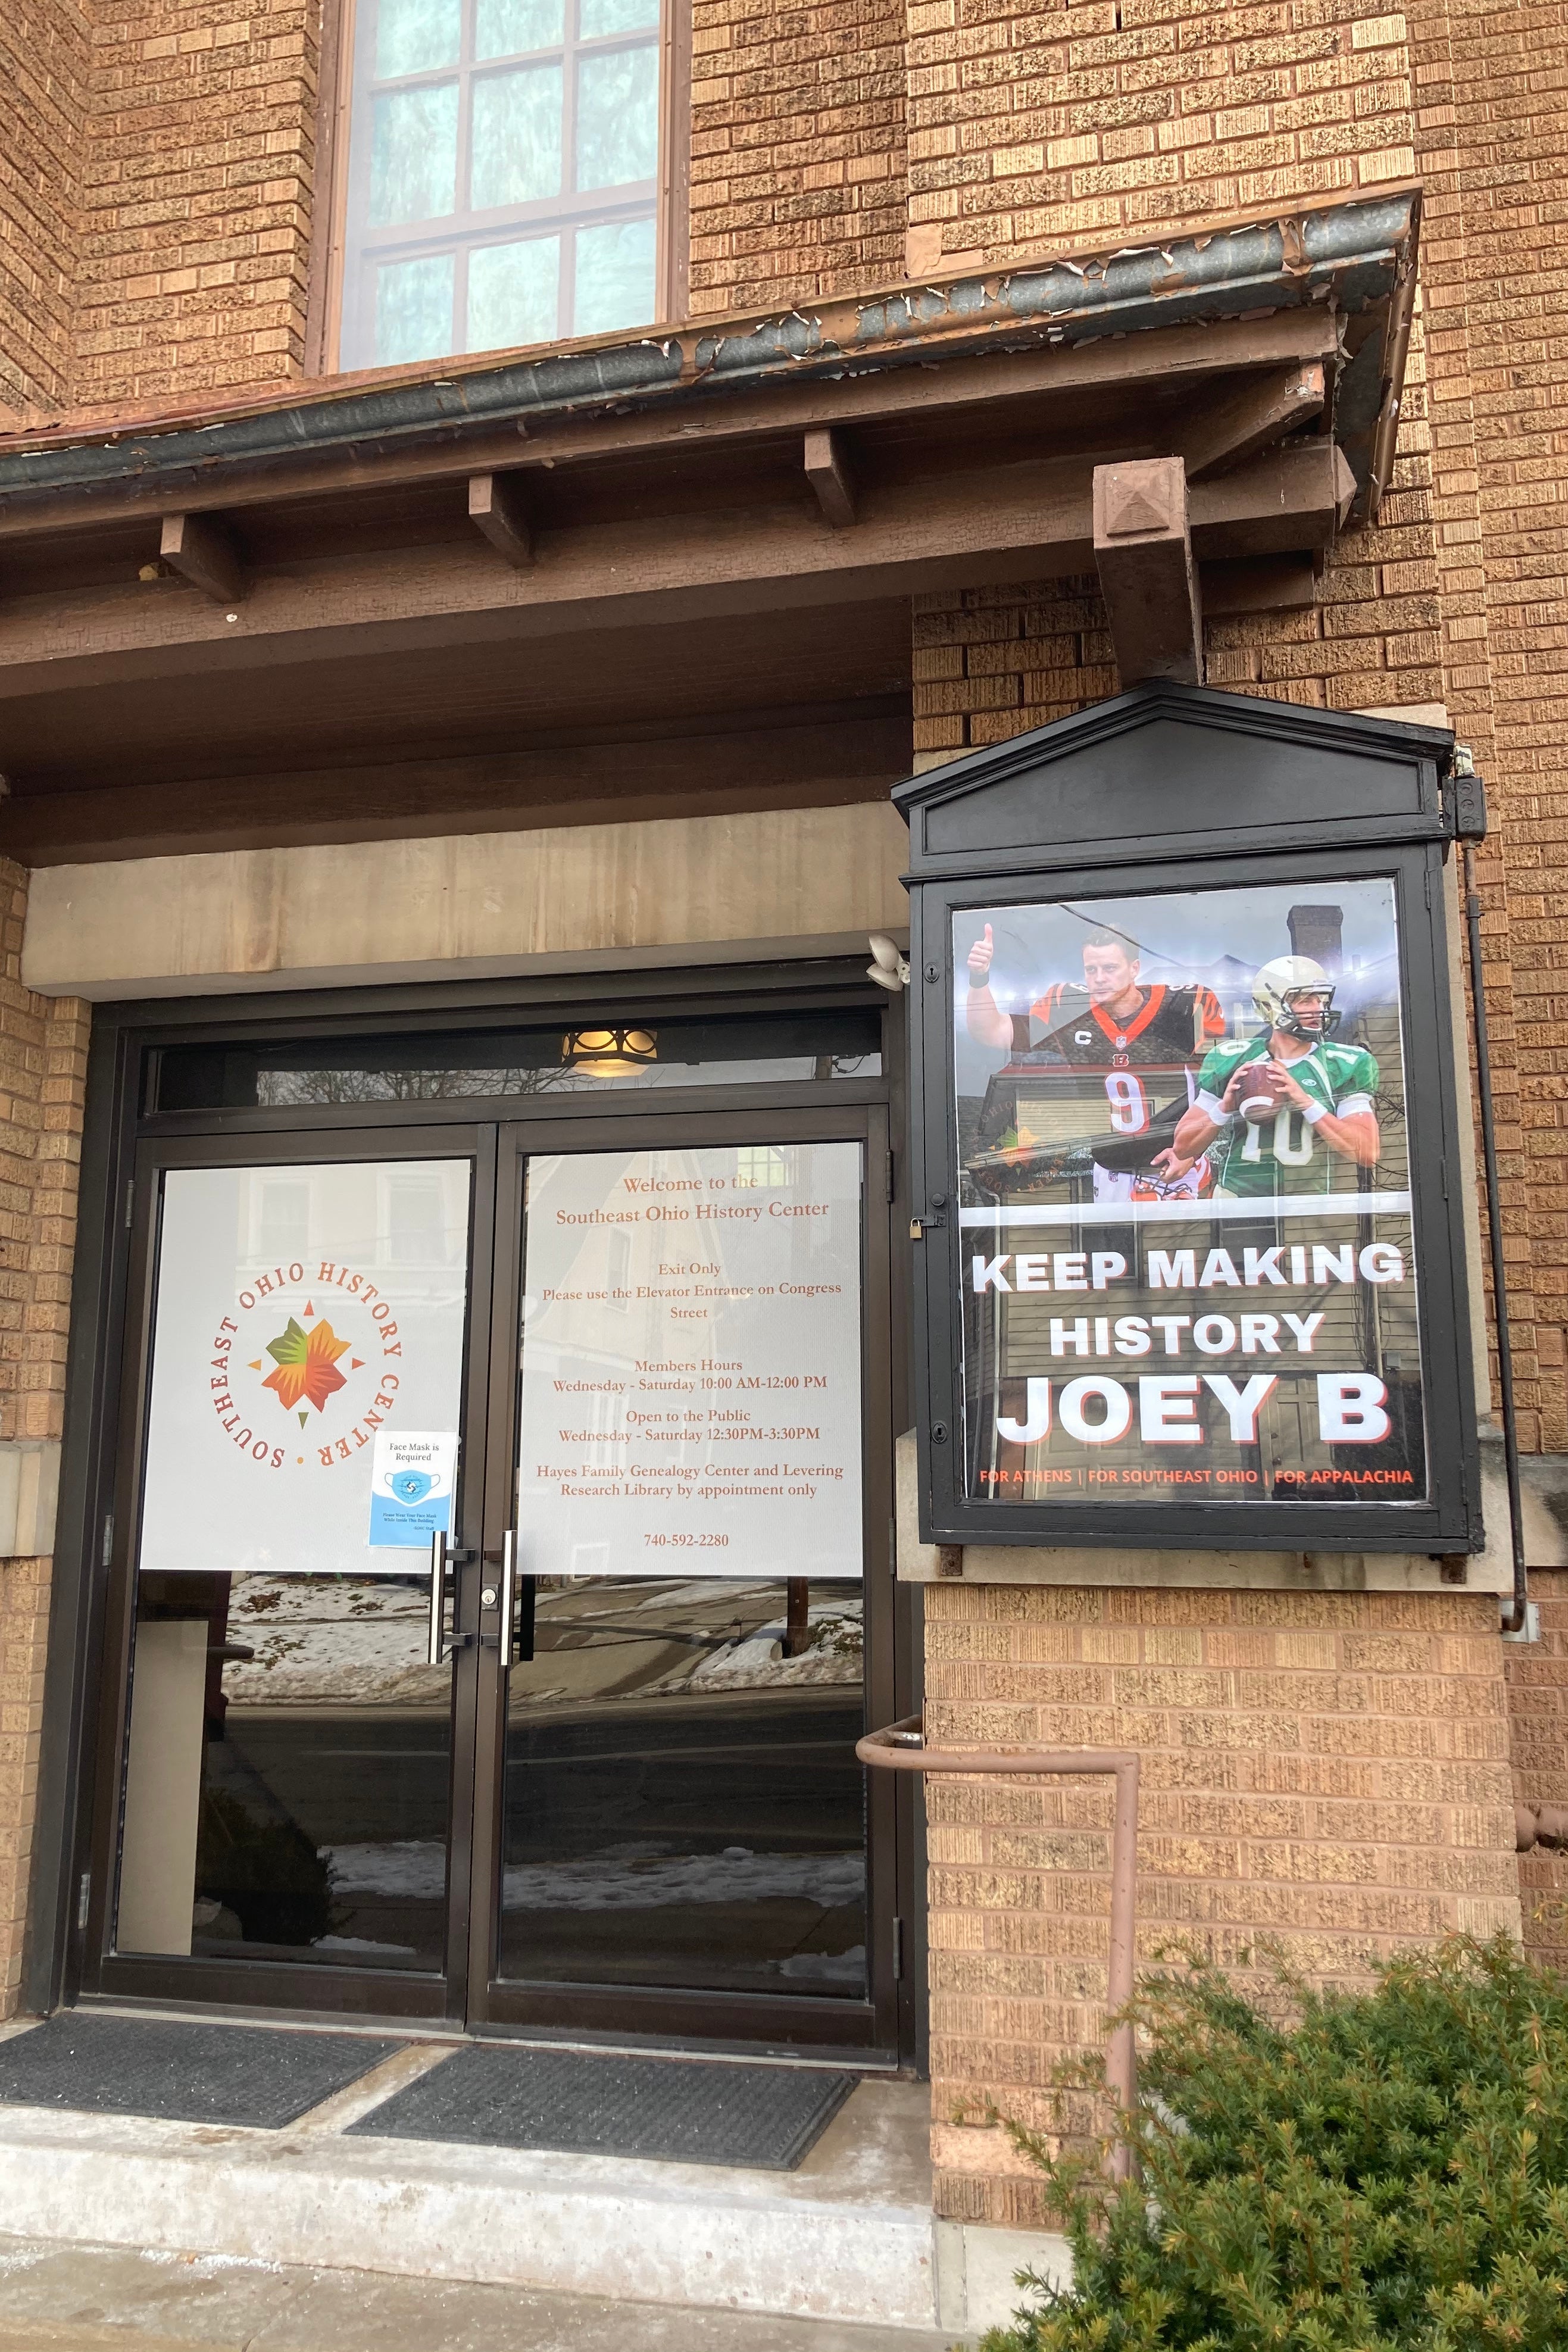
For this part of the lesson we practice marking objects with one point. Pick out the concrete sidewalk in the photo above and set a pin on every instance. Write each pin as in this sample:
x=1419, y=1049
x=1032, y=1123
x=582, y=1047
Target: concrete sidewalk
x=847, y=2241
x=89, y=2298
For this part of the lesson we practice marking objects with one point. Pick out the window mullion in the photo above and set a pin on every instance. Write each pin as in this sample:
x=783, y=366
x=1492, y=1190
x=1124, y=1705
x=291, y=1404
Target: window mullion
x=568, y=281
x=467, y=45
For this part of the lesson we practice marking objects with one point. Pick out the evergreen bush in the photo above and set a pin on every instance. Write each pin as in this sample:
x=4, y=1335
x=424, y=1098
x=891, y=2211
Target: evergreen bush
x=1387, y=2170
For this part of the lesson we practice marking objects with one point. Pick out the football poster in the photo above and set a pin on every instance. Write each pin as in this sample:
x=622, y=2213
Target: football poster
x=1184, y=1195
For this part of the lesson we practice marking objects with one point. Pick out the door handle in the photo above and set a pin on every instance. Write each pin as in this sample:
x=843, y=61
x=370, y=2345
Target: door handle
x=441, y=1644
x=514, y=1629
x=508, y=1598
x=436, y=1649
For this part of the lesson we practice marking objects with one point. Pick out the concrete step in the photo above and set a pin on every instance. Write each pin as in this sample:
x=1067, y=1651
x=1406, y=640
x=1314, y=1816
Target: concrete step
x=96, y=2298
x=848, y=2239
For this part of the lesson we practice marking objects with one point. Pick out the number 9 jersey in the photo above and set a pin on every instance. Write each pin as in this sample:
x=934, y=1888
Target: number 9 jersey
x=1172, y=1026
x=1149, y=1060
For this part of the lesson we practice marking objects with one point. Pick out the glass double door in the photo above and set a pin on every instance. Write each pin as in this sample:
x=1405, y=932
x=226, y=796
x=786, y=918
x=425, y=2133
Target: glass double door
x=495, y=1626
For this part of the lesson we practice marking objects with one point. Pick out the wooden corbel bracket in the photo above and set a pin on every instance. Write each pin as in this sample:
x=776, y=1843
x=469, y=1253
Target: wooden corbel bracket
x=199, y=548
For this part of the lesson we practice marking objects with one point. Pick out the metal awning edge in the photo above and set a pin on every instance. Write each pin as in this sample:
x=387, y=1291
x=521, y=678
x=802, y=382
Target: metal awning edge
x=1355, y=255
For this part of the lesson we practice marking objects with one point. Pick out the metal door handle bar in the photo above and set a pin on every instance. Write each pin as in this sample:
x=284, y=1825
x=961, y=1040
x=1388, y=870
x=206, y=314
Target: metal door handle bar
x=514, y=1638
x=435, y=1648
x=441, y=1644
x=508, y=1598
x=901, y=1748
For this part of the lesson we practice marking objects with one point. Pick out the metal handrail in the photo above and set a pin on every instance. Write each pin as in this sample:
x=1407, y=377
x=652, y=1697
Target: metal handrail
x=901, y=1748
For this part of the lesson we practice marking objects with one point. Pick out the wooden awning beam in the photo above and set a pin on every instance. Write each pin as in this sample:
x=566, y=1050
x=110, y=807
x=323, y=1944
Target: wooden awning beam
x=1249, y=415
x=1259, y=584
x=1008, y=523
x=996, y=386
x=800, y=760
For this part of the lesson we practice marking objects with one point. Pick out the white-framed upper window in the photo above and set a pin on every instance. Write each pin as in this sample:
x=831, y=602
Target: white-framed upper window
x=416, y=1220
x=504, y=172
x=282, y=1220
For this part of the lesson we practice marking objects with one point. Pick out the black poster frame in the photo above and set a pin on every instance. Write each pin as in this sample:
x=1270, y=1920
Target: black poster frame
x=954, y=878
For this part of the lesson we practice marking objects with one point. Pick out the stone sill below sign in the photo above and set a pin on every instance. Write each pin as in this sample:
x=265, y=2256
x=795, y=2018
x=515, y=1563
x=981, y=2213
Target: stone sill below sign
x=30, y=1496
x=1491, y=1571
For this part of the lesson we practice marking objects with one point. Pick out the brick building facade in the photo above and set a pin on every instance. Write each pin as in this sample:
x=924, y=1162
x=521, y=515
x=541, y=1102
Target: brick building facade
x=1332, y=1766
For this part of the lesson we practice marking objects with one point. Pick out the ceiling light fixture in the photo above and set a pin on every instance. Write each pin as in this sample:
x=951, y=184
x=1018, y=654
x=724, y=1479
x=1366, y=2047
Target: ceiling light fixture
x=616, y=1053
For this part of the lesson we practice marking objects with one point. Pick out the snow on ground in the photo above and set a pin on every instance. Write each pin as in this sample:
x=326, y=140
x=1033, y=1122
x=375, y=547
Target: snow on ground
x=361, y=1641
x=835, y=1655
x=366, y=1946
x=843, y=1967
x=620, y=1878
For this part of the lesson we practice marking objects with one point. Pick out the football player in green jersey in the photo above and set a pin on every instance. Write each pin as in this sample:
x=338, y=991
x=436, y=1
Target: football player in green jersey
x=1277, y=1098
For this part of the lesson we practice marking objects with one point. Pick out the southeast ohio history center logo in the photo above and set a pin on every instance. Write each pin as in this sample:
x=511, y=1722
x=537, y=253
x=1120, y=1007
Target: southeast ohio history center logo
x=306, y=1366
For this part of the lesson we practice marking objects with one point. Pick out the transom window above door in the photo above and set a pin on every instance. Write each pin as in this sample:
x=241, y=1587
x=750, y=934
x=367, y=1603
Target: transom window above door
x=504, y=173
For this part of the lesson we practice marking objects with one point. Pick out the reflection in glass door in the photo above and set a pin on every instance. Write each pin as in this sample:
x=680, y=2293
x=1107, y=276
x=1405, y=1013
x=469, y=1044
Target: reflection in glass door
x=652, y=1821
x=289, y=1747
x=683, y=1807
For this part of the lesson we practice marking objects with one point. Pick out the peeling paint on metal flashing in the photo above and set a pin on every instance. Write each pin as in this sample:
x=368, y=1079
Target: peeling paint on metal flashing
x=1293, y=257
x=1352, y=254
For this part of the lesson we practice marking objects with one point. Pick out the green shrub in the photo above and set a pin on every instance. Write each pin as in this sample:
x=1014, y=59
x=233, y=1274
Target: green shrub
x=1389, y=2169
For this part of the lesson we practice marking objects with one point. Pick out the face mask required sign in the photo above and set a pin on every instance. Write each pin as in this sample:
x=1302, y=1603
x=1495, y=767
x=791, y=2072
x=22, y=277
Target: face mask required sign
x=691, y=1363
x=1187, y=1253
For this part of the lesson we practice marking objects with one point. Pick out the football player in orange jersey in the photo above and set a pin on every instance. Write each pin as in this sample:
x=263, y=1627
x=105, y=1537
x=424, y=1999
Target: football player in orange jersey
x=1145, y=1038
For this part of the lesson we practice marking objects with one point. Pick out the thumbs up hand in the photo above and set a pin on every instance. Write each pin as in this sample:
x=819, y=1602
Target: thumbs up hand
x=980, y=955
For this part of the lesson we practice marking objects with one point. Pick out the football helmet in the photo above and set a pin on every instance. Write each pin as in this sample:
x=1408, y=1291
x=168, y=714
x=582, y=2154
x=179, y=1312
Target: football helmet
x=1281, y=982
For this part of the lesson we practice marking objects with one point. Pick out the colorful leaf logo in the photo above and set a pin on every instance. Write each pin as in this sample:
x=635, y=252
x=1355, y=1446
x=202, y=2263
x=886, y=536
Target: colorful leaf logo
x=307, y=1365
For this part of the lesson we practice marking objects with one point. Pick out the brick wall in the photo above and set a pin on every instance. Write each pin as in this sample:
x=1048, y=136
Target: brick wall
x=1538, y=1717
x=193, y=124
x=43, y=73
x=991, y=662
x=798, y=184
x=1035, y=122
x=1491, y=130
x=197, y=198
x=23, y=1630
x=43, y=1075
x=1330, y=1769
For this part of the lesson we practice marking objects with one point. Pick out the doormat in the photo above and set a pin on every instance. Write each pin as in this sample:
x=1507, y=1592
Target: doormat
x=194, y=2074
x=680, y=2111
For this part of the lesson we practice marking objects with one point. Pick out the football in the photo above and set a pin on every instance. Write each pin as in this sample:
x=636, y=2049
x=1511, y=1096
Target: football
x=1263, y=1097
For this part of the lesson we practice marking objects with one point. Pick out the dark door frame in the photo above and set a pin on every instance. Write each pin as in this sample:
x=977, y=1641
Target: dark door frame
x=776, y=2019
x=292, y=1985
x=83, y=1662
